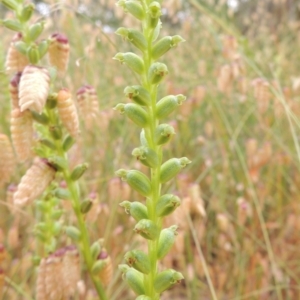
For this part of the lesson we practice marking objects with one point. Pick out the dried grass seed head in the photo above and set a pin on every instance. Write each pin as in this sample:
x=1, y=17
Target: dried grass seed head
x=14, y=90
x=106, y=273
x=34, y=182
x=34, y=88
x=59, y=50
x=7, y=159
x=88, y=104
x=15, y=61
x=67, y=112
x=21, y=127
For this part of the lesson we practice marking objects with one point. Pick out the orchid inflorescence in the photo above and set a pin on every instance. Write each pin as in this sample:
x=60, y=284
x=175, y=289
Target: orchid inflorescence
x=141, y=271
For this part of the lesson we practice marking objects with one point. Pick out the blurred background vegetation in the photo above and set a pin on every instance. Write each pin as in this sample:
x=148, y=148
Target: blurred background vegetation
x=240, y=69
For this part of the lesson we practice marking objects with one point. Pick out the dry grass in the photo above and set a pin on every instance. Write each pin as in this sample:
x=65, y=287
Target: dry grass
x=239, y=223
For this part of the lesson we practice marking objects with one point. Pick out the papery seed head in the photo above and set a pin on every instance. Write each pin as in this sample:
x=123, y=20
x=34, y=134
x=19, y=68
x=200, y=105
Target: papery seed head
x=15, y=61
x=41, y=281
x=53, y=280
x=106, y=272
x=59, y=50
x=88, y=105
x=2, y=254
x=34, y=182
x=67, y=112
x=21, y=127
x=7, y=159
x=224, y=80
x=14, y=90
x=70, y=270
x=34, y=88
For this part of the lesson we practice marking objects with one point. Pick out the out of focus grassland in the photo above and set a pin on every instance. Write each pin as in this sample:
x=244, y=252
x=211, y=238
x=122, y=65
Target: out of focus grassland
x=240, y=126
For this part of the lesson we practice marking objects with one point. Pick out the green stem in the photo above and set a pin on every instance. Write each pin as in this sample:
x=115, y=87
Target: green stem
x=74, y=191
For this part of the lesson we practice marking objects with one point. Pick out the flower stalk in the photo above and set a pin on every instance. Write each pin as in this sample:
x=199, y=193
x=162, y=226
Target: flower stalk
x=146, y=112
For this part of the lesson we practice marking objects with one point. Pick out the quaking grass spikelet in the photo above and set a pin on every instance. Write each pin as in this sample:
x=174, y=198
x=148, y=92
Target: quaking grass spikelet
x=21, y=127
x=15, y=61
x=14, y=90
x=34, y=182
x=59, y=50
x=67, y=112
x=88, y=105
x=34, y=88
x=106, y=272
x=58, y=275
x=7, y=159
x=70, y=270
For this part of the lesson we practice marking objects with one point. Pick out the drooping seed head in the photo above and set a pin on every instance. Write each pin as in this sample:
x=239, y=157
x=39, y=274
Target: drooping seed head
x=34, y=88
x=59, y=50
x=34, y=182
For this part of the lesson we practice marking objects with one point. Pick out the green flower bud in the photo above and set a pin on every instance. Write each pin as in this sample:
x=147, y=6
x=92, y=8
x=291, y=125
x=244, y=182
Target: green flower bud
x=78, y=171
x=163, y=134
x=86, y=206
x=43, y=48
x=27, y=12
x=40, y=118
x=10, y=4
x=165, y=44
x=166, y=241
x=166, y=279
x=137, y=180
x=157, y=31
x=136, y=209
x=134, y=36
x=41, y=227
x=133, y=278
x=41, y=237
x=172, y=167
x=35, y=30
x=132, y=60
x=143, y=139
x=138, y=94
x=157, y=72
x=57, y=228
x=36, y=260
x=154, y=13
x=147, y=229
x=55, y=132
x=73, y=233
x=68, y=143
x=134, y=112
x=98, y=266
x=41, y=206
x=166, y=204
x=12, y=25
x=133, y=7
x=146, y=156
x=168, y=104
x=48, y=144
x=53, y=75
x=21, y=47
x=52, y=99
x=143, y=297
x=138, y=260
x=62, y=194
x=56, y=214
x=58, y=163
x=33, y=54
x=95, y=250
